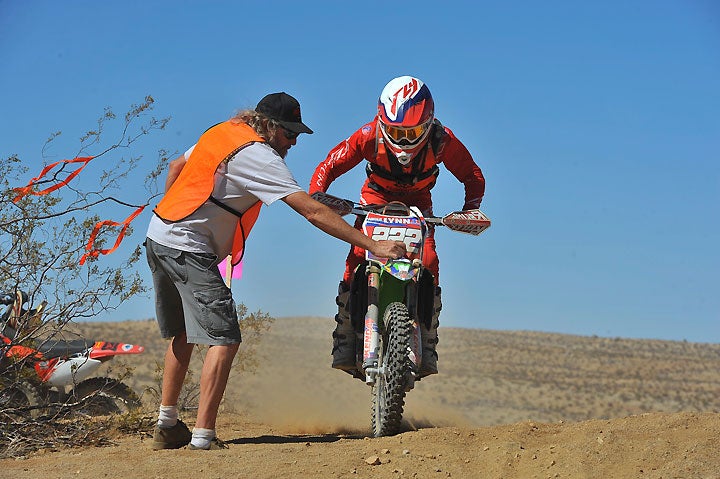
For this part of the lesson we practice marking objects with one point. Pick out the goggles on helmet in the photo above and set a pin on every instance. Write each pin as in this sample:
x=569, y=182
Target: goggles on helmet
x=404, y=135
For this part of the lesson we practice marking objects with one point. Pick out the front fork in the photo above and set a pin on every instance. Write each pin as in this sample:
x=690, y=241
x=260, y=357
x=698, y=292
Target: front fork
x=371, y=337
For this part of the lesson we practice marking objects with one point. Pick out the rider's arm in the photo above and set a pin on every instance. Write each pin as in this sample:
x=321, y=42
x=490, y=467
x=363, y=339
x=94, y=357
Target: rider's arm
x=328, y=221
x=341, y=159
x=460, y=163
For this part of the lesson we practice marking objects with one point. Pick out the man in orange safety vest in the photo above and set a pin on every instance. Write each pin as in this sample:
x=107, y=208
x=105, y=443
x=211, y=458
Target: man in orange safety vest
x=213, y=197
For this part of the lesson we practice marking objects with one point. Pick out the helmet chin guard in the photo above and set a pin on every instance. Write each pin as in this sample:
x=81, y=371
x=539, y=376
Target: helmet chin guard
x=404, y=157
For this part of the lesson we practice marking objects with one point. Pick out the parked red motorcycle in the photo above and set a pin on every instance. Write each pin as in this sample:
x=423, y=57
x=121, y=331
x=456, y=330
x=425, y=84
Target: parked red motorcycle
x=38, y=374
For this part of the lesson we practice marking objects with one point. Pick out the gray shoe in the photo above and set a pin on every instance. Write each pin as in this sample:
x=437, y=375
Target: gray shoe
x=172, y=437
x=214, y=445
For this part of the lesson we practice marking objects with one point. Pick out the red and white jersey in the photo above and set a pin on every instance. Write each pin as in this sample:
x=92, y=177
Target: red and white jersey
x=393, y=180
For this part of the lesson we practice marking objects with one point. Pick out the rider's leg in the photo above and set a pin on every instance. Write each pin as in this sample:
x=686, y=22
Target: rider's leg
x=430, y=338
x=343, y=350
x=344, y=339
x=430, y=334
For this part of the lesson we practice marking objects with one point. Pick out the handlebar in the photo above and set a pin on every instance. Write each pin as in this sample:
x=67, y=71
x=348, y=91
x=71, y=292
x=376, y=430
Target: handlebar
x=472, y=222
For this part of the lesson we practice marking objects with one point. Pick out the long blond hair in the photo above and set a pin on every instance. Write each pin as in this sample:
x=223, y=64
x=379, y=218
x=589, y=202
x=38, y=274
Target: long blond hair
x=265, y=127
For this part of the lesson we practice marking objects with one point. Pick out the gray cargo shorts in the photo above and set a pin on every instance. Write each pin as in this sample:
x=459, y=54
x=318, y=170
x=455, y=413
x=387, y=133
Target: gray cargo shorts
x=191, y=296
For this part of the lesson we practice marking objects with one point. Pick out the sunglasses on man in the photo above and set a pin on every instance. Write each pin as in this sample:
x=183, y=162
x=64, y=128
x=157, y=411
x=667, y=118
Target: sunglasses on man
x=290, y=135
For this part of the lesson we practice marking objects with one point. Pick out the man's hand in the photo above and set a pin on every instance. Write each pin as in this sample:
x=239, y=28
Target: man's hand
x=389, y=249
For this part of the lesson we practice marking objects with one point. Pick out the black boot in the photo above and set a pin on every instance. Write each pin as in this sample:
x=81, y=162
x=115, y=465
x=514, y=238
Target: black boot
x=343, y=350
x=430, y=339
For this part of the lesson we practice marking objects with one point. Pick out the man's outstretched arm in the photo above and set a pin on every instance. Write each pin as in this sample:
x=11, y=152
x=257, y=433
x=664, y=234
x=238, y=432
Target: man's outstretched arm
x=331, y=223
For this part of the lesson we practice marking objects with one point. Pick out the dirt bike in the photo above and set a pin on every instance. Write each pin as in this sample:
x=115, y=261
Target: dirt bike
x=37, y=374
x=391, y=298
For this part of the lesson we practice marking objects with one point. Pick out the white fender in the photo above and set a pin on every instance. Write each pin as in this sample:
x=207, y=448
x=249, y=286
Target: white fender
x=71, y=371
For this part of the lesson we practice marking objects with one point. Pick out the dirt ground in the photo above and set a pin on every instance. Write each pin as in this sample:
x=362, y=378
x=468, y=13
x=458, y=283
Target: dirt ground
x=658, y=445
x=506, y=405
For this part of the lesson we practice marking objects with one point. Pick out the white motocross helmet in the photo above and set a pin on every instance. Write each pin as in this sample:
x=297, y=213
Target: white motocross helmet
x=405, y=114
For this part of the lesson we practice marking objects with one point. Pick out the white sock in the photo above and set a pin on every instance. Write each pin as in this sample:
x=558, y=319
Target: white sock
x=168, y=416
x=201, y=437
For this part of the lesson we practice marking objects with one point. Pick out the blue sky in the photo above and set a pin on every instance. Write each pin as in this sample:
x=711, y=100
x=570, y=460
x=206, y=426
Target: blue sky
x=596, y=124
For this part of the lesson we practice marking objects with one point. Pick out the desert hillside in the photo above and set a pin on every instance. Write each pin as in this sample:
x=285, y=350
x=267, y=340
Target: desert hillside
x=486, y=377
x=506, y=404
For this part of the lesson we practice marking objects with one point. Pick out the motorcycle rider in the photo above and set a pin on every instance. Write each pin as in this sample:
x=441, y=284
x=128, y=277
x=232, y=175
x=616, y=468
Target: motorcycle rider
x=403, y=146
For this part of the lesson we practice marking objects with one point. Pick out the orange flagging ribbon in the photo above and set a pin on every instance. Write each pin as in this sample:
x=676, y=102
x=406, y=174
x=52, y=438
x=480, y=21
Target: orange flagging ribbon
x=96, y=252
x=28, y=190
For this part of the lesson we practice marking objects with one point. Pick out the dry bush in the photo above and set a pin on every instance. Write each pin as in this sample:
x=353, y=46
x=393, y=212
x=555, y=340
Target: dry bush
x=45, y=229
x=43, y=237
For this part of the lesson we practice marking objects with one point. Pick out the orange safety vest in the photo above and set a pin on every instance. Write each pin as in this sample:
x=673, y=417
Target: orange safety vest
x=195, y=183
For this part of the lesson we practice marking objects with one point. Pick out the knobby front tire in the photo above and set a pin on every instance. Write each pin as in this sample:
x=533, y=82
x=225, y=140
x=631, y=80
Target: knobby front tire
x=388, y=393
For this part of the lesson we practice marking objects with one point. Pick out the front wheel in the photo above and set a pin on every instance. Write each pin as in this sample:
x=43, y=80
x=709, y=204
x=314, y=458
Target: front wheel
x=20, y=400
x=103, y=396
x=388, y=392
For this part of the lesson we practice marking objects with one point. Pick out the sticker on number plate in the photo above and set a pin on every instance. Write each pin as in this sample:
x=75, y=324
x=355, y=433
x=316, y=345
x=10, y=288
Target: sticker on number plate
x=407, y=229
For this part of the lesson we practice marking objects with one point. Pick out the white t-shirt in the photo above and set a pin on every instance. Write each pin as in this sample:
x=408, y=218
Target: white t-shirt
x=255, y=173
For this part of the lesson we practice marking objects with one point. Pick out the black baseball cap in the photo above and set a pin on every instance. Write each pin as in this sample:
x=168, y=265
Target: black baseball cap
x=284, y=109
